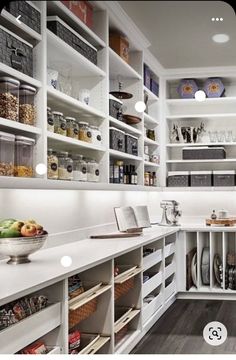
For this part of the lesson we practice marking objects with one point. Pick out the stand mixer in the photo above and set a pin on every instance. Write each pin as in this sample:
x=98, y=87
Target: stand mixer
x=171, y=213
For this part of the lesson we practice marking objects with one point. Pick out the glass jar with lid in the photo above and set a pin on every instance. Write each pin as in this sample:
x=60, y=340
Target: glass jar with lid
x=59, y=123
x=7, y=143
x=27, y=109
x=72, y=127
x=52, y=165
x=24, y=148
x=9, y=98
x=65, y=166
x=96, y=135
x=93, y=170
x=79, y=168
x=85, y=132
x=50, y=120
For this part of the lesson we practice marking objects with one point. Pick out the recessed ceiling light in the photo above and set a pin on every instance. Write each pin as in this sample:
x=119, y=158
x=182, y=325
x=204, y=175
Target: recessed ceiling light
x=213, y=19
x=200, y=95
x=220, y=38
x=217, y=19
x=221, y=19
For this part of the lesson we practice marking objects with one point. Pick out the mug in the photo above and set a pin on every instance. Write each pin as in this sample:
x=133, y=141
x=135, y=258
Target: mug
x=222, y=214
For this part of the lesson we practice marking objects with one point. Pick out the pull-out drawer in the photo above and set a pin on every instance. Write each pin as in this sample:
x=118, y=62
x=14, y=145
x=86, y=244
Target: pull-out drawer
x=152, y=259
x=17, y=336
x=91, y=343
x=170, y=288
x=170, y=269
x=125, y=319
x=152, y=283
x=169, y=249
x=152, y=307
x=53, y=350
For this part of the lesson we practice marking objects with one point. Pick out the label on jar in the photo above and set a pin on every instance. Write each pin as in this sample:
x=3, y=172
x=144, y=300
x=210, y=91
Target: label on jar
x=54, y=167
x=97, y=172
x=99, y=138
x=63, y=126
x=89, y=134
x=69, y=168
x=76, y=131
x=50, y=121
x=84, y=170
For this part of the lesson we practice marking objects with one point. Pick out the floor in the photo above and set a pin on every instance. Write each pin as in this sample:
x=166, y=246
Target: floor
x=179, y=330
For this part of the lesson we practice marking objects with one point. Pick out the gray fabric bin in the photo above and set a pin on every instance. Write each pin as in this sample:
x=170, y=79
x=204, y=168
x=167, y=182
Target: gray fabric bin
x=204, y=153
x=224, y=178
x=178, y=179
x=200, y=178
x=117, y=139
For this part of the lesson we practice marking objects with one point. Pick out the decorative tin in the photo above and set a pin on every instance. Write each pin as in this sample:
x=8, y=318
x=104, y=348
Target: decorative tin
x=204, y=152
x=29, y=14
x=178, y=178
x=72, y=38
x=82, y=9
x=115, y=106
x=187, y=88
x=201, y=178
x=117, y=139
x=224, y=178
x=16, y=52
x=131, y=144
x=214, y=88
x=120, y=45
x=147, y=76
x=154, y=87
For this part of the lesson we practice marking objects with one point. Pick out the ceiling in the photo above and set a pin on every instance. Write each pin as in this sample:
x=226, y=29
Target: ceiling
x=180, y=32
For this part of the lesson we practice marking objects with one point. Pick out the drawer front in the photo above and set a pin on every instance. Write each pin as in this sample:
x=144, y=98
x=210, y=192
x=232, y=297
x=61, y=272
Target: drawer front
x=170, y=290
x=169, y=249
x=170, y=269
x=152, y=259
x=152, y=284
x=30, y=329
x=152, y=307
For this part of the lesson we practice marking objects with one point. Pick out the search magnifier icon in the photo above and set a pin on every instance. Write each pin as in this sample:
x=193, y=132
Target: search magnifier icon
x=215, y=333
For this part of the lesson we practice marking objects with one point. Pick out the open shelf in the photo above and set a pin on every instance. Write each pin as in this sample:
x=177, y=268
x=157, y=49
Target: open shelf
x=150, y=120
x=123, y=126
x=149, y=163
x=122, y=155
x=18, y=127
x=7, y=70
x=200, y=116
x=117, y=66
x=220, y=100
x=151, y=96
x=148, y=141
x=201, y=161
x=201, y=144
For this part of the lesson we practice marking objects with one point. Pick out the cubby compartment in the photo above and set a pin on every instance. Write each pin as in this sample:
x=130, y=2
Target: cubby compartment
x=229, y=260
x=169, y=245
x=51, y=341
x=170, y=265
x=170, y=287
x=191, y=261
x=203, y=261
x=152, y=303
x=216, y=261
x=152, y=278
x=152, y=254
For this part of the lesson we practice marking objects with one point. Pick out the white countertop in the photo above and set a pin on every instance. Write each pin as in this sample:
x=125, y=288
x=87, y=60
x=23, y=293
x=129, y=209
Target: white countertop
x=46, y=269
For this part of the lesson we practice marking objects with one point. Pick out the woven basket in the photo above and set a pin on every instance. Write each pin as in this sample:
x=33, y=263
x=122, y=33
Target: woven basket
x=76, y=292
x=83, y=312
x=122, y=289
x=119, y=336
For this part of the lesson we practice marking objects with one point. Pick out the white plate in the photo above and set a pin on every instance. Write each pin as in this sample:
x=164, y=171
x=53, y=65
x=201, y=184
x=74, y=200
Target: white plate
x=194, y=269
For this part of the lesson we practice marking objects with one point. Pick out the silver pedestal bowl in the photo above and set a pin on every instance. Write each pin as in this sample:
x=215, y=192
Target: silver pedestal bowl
x=19, y=248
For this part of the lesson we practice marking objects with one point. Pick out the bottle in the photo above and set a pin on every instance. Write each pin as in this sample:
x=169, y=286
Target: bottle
x=120, y=164
x=213, y=215
x=116, y=174
x=154, y=179
x=126, y=175
x=150, y=179
x=133, y=175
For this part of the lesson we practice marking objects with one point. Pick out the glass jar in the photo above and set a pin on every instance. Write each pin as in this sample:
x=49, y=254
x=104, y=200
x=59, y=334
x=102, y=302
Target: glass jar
x=7, y=142
x=151, y=134
x=93, y=170
x=24, y=148
x=52, y=165
x=96, y=135
x=59, y=123
x=27, y=109
x=50, y=120
x=9, y=98
x=85, y=132
x=79, y=168
x=65, y=166
x=146, y=178
x=72, y=127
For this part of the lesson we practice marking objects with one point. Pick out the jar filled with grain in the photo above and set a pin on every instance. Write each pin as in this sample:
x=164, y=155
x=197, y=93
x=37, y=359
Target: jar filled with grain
x=93, y=170
x=85, y=133
x=79, y=168
x=7, y=142
x=59, y=123
x=65, y=166
x=52, y=165
x=72, y=127
x=50, y=120
x=9, y=98
x=96, y=135
x=27, y=109
x=24, y=148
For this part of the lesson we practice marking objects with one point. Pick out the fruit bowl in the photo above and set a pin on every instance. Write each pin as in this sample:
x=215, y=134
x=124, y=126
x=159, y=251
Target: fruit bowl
x=19, y=248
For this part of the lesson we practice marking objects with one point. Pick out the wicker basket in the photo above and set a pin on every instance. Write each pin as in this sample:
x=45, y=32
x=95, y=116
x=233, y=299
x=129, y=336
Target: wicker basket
x=83, y=312
x=76, y=292
x=122, y=289
x=119, y=336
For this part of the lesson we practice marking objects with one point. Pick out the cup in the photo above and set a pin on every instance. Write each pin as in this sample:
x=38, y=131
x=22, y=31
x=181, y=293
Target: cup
x=84, y=96
x=223, y=214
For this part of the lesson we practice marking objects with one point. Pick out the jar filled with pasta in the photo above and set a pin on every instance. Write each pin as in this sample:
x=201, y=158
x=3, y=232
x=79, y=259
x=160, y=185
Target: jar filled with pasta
x=52, y=165
x=65, y=166
x=85, y=133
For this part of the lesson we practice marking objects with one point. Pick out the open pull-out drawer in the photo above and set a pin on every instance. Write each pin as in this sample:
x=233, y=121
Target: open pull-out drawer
x=152, y=259
x=127, y=274
x=30, y=329
x=91, y=343
x=125, y=281
x=154, y=281
x=150, y=308
x=170, y=287
x=169, y=249
x=125, y=318
x=170, y=266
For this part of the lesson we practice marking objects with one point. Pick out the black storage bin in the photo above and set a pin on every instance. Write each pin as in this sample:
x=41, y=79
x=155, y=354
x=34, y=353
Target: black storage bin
x=117, y=139
x=131, y=144
x=204, y=153
x=200, y=178
x=16, y=52
x=178, y=178
x=72, y=38
x=114, y=106
x=224, y=178
x=30, y=16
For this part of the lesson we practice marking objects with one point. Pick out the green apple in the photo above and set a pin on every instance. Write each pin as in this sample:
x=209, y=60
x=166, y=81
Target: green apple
x=6, y=223
x=17, y=225
x=9, y=233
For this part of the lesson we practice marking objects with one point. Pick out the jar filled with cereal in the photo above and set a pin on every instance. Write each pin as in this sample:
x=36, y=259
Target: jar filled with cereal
x=72, y=127
x=24, y=148
x=79, y=168
x=50, y=120
x=85, y=133
x=9, y=98
x=7, y=142
x=52, y=165
x=93, y=170
x=65, y=166
x=27, y=109
x=59, y=123
x=96, y=135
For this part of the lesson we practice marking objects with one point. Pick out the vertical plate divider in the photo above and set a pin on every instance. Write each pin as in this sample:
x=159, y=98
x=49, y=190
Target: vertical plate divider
x=163, y=270
x=224, y=241
x=65, y=318
x=141, y=264
x=198, y=260
x=212, y=250
x=112, y=348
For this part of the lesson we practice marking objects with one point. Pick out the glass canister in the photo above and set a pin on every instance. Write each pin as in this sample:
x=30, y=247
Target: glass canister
x=50, y=120
x=93, y=170
x=27, y=109
x=85, y=133
x=52, y=165
x=9, y=98
x=96, y=135
x=7, y=143
x=65, y=166
x=24, y=148
x=59, y=123
x=72, y=127
x=79, y=168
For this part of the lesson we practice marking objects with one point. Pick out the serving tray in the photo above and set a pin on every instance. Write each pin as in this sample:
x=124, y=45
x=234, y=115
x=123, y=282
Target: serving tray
x=221, y=222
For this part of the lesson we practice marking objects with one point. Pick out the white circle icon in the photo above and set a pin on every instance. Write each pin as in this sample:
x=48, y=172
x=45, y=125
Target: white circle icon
x=215, y=333
x=66, y=261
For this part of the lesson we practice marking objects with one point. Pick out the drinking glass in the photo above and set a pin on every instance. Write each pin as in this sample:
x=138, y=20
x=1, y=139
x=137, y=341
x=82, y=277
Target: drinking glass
x=221, y=136
x=229, y=136
x=212, y=136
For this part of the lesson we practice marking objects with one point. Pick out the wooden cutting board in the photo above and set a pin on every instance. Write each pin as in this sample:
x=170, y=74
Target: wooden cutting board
x=221, y=222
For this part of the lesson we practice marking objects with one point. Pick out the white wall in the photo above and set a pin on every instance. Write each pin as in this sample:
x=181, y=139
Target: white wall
x=68, y=210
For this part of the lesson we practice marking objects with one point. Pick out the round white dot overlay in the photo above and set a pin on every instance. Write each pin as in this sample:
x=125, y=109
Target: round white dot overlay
x=215, y=333
x=66, y=261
